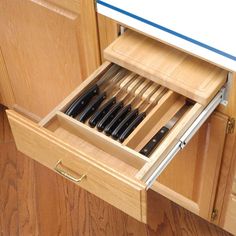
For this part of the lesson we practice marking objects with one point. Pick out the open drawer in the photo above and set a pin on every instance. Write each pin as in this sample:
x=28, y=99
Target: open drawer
x=116, y=171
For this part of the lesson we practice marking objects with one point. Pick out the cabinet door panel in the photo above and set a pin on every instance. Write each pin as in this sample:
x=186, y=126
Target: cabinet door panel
x=6, y=93
x=191, y=178
x=48, y=47
x=229, y=216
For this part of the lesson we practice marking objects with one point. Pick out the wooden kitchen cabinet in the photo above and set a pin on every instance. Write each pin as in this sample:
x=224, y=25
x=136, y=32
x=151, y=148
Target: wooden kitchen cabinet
x=230, y=216
x=225, y=199
x=70, y=210
x=67, y=146
x=183, y=194
x=199, y=163
x=62, y=58
x=47, y=48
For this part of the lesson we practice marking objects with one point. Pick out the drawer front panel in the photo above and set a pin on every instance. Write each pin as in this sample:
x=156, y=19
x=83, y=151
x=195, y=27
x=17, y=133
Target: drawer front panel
x=38, y=144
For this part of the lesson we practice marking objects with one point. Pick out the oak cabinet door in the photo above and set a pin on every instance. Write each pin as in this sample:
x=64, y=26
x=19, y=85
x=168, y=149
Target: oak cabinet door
x=230, y=204
x=47, y=47
x=191, y=178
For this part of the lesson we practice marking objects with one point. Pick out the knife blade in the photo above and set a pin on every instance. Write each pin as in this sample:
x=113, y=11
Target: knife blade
x=153, y=99
x=78, y=105
x=92, y=107
x=157, y=138
x=145, y=92
x=121, y=82
x=114, y=110
x=95, y=103
x=125, y=110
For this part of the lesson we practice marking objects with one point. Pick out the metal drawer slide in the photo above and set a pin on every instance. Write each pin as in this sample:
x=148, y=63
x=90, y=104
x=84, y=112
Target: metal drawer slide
x=187, y=136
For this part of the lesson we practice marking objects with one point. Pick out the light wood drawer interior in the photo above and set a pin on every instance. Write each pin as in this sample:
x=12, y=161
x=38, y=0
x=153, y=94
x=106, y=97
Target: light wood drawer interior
x=123, y=157
x=115, y=171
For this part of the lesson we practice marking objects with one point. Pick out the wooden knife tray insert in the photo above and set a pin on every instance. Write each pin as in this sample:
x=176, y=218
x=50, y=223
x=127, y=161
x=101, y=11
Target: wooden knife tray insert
x=122, y=157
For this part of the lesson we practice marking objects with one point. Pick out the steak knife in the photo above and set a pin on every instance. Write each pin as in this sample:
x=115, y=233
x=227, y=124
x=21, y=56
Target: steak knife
x=156, y=139
x=119, y=94
x=132, y=126
x=98, y=115
x=79, y=104
x=132, y=119
x=125, y=110
x=124, y=124
x=109, y=116
x=92, y=107
x=154, y=100
x=121, y=78
x=117, y=119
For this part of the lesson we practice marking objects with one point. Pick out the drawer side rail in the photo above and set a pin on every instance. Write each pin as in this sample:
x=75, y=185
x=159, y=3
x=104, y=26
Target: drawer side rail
x=186, y=136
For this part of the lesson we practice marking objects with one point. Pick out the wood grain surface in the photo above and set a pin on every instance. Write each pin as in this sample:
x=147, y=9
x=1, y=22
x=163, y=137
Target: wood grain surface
x=174, y=69
x=48, y=47
x=108, y=32
x=36, y=201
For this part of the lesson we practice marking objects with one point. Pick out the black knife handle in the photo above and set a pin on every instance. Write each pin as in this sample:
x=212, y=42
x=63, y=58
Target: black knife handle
x=109, y=116
x=124, y=124
x=99, y=114
x=150, y=146
x=118, y=118
x=78, y=105
x=92, y=107
x=132, y=126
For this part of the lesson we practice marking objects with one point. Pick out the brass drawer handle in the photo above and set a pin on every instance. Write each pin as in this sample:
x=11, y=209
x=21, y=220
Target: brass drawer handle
x=67, y=175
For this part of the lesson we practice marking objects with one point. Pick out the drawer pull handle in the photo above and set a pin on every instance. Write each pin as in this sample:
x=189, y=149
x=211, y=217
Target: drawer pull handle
x=67, y=175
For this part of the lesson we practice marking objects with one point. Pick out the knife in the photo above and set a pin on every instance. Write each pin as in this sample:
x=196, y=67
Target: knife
x=92, y=106
x=78, y=105
x=145, y=92
x=124, y=124
x=95, y=103
x=109, y=116
x=125, y=110
x=156, y=139
x=154, y=100
x=98, y=115
x=114, y=110
x=132, y=126
x=117, y=119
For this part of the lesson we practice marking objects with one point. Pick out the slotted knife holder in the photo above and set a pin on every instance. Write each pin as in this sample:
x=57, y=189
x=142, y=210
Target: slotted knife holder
x=77, y=133
x=158, y=112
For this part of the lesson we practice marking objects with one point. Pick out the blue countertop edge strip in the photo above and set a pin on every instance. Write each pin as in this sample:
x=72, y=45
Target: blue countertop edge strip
x=215, y=50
